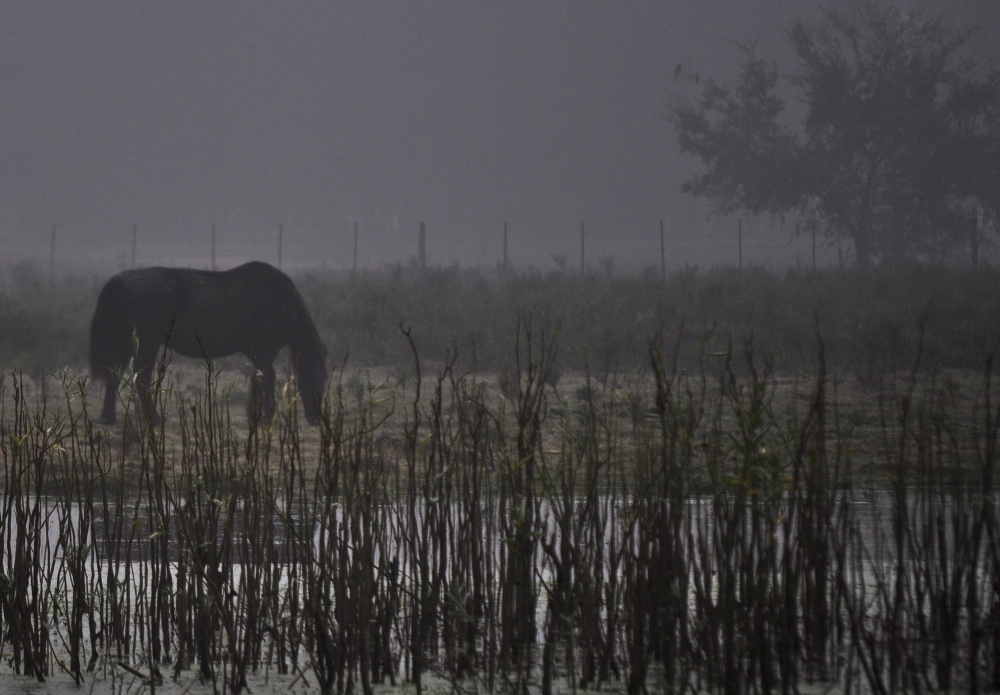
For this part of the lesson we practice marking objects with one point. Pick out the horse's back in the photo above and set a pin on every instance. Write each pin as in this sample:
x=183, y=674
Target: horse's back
x=204, y=313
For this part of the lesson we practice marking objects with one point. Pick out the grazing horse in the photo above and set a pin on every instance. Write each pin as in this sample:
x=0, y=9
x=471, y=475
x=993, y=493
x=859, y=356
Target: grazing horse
x=253, y=309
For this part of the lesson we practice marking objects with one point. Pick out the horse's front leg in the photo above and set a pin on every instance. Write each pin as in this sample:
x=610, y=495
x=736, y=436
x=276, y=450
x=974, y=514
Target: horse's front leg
x=267, y=384
x=144, y=378
x=261, y=405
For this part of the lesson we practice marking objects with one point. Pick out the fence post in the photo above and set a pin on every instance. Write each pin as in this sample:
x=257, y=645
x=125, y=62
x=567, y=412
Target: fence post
x=505, y=262
x=422, y=246
x=52, y=255
x=663, y=256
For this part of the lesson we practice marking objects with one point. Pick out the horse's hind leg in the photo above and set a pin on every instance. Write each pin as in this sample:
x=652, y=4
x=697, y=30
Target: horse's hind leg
x=108, y=412
x=255, y=403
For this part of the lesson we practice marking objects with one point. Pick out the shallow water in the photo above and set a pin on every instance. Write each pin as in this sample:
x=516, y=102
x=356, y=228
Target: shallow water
x=127, y=683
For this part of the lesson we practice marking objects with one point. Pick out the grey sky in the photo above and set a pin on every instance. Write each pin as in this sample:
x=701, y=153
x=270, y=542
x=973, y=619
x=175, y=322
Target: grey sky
x=314, y=114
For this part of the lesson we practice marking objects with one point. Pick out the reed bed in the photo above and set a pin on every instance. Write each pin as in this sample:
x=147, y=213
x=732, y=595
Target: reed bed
x=703, y=532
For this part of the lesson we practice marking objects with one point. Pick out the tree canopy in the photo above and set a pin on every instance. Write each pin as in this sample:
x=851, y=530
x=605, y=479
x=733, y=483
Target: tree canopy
x=894, y=143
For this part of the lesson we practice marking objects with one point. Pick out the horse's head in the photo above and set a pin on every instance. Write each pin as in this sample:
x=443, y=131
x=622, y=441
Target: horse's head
x=311, y=372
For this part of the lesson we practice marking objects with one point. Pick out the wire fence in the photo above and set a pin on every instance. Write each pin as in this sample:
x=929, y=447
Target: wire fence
x=632, y=247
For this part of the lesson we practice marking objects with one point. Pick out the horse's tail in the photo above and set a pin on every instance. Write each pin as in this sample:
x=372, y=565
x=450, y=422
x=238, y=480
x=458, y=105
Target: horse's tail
x=105, y=351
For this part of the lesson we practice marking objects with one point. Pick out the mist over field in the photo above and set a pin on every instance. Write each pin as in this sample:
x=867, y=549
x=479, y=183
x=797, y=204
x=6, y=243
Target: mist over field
x=620, y=346
x=315, y=116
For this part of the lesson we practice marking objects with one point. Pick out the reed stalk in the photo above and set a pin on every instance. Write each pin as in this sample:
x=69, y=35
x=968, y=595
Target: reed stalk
x=716, y=530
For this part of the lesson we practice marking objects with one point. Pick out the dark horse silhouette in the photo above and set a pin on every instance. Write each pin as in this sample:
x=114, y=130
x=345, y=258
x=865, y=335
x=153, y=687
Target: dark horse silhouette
x=253, y=309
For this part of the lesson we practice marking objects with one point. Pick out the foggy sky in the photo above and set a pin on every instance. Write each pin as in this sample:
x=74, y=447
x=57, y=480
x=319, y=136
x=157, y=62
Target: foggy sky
x=316, y=114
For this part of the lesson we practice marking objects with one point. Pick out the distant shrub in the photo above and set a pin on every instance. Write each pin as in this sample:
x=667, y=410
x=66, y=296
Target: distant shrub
x=869, y=322
x=43, y=324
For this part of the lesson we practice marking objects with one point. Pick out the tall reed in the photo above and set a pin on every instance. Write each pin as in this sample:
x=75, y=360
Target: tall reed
x=710, y=530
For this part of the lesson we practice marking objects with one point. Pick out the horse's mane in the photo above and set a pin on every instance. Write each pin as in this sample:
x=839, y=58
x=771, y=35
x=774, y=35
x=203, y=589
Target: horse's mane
x=306, y=341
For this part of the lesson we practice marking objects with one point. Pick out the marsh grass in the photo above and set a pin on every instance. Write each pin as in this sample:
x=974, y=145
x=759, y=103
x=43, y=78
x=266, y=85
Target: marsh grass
x=703, y=528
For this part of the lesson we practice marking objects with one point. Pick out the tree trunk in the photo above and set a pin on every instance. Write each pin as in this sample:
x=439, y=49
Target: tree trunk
x=974, y=244
x=862, y=249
